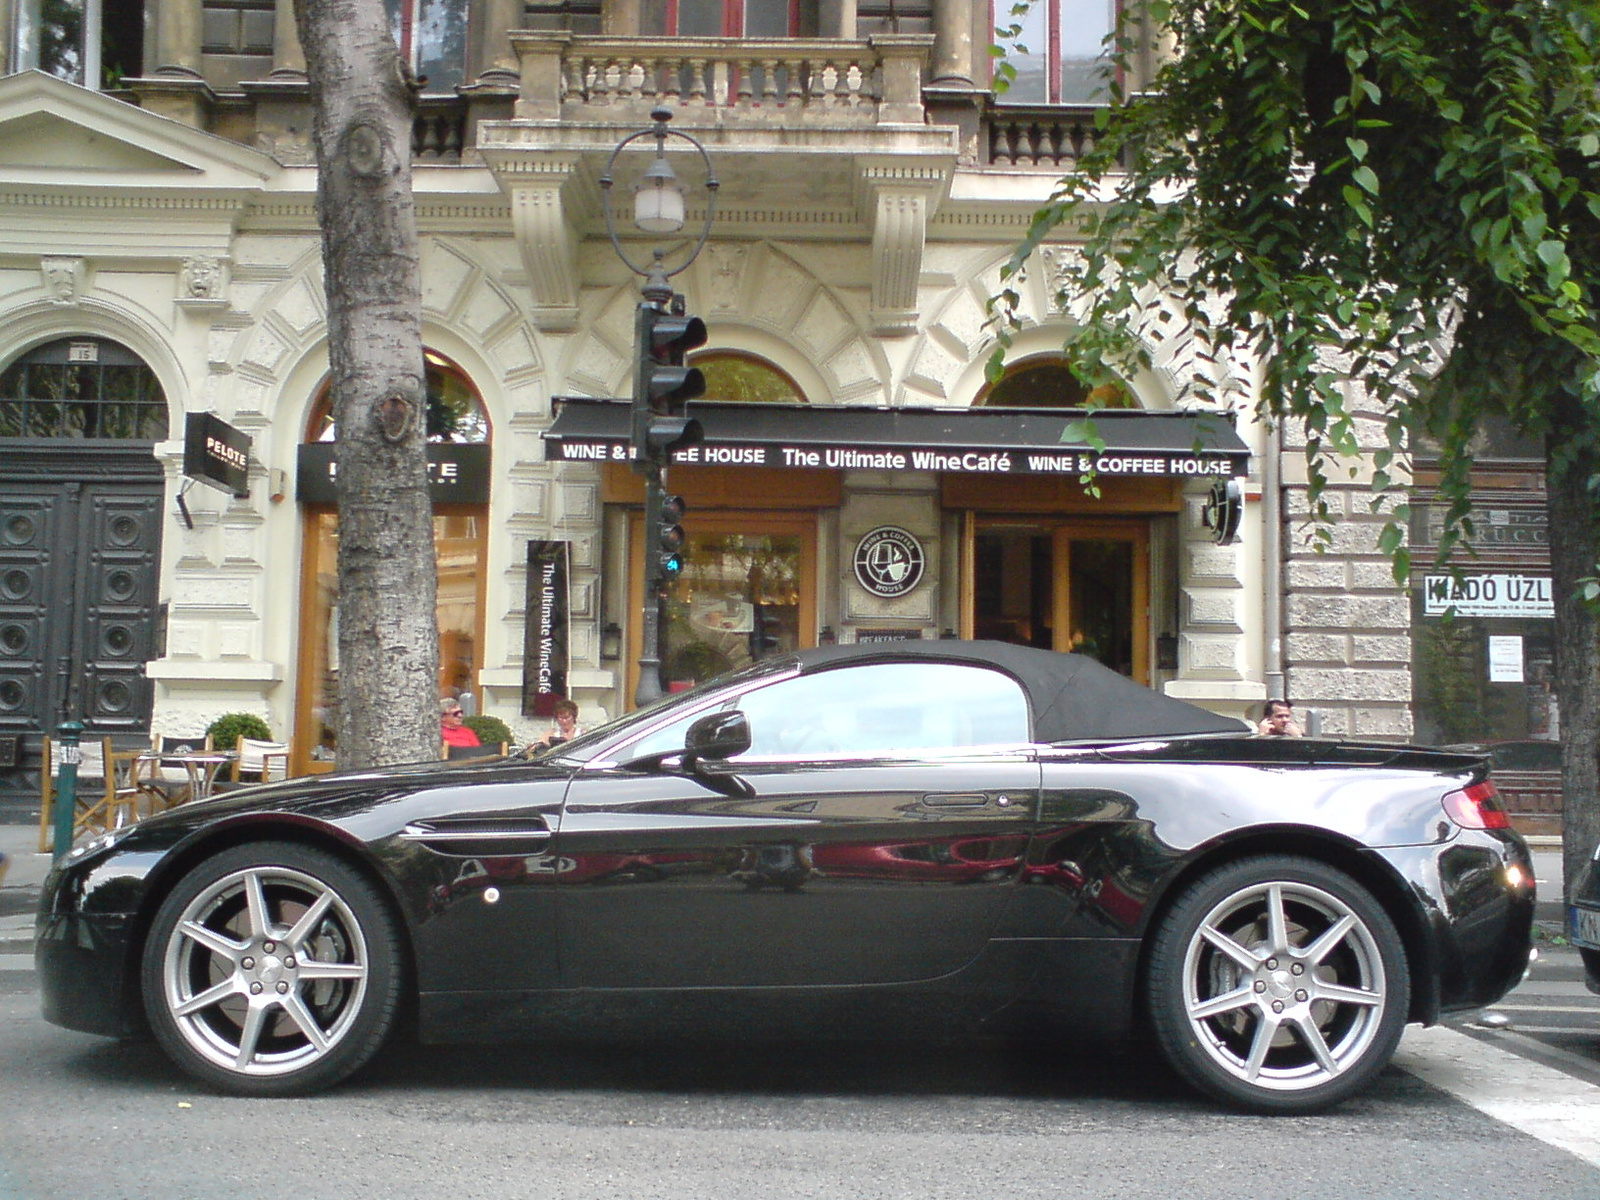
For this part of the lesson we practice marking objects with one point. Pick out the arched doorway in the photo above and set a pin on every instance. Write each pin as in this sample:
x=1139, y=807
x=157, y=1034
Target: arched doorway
x=80, y=545
x=1065, y=581
x=457, y=426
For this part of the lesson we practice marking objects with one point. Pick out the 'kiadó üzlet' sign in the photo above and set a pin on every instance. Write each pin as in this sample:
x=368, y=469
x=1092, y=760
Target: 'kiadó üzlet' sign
x=1488, y=596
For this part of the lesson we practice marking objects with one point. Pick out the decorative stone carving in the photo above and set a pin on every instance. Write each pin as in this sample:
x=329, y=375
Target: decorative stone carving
x=545, y=235
x=727, y=268
x=896, y=200
x=201, y=279
x=1056, y=261
x=63, y=278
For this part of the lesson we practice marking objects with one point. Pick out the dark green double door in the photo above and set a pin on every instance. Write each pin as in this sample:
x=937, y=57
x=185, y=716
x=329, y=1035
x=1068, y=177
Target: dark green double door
x=80, y=551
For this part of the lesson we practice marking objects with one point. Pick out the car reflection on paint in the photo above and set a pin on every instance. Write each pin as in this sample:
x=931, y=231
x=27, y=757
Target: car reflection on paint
x=923, y=841
x=929, y=860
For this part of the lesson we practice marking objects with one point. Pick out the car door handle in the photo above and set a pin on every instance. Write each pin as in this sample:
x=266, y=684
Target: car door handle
x=955, y=800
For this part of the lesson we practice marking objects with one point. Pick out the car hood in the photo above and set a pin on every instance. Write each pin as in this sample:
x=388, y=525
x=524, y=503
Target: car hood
x=367, y=802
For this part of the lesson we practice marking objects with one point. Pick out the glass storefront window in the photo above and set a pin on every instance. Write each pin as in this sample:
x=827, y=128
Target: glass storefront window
x=1488, y=682
x=737, y=602
x=460, y=547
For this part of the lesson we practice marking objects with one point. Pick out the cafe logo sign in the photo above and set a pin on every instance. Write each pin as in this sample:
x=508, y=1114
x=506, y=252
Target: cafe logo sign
x=889, y=562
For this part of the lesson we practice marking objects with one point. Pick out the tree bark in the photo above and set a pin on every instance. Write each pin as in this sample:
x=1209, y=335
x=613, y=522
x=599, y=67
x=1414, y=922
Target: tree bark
x=1571, y=463
x=388, y=634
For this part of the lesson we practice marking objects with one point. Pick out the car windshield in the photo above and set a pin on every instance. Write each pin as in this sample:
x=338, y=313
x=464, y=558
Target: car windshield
x=622, y=730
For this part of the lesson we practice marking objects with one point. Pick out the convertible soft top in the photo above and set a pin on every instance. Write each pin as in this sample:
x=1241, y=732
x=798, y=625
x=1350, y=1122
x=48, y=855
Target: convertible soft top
x=1072, y=697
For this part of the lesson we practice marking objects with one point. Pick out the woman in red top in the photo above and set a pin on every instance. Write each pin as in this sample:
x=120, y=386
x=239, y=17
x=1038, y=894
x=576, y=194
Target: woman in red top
x=455, y=732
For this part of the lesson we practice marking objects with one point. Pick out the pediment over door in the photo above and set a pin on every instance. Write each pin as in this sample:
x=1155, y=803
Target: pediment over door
x=56, y=133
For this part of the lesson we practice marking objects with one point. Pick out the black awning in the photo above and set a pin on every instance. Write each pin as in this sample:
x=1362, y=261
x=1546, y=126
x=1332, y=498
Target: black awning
x=967, y=441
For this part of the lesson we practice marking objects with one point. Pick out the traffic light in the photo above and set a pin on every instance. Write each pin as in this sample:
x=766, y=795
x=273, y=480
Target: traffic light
x=669, y=541
x=663, y=385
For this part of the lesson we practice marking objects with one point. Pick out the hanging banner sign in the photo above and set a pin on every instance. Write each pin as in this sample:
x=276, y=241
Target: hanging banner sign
x=1501, y=595
x=458, y=473
x=546, y=657
x=216, y=454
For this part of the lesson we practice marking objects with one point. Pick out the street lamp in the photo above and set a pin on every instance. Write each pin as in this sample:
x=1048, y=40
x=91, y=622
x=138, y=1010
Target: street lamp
x=662, y=384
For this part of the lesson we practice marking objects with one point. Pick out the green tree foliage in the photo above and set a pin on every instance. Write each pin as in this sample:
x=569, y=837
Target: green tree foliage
x=1400, y=193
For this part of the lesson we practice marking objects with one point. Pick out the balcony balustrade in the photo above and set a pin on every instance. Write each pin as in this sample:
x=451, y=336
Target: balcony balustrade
x=439, y=129
x=1045, y=135
x=730, y=81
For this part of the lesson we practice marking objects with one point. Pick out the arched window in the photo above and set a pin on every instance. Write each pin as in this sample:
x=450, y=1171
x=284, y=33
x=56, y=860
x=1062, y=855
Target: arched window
x=82, y=387
x=746, y=379
x=455, y=413
x=1050, y=383
x=461, y=545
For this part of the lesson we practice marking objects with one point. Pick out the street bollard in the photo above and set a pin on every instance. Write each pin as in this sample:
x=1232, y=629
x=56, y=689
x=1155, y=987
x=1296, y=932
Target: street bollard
x=66, y=800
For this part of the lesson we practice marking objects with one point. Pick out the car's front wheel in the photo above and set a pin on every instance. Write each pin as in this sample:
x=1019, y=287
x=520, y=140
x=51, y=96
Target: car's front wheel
x=1278, y=983
x=272, y=969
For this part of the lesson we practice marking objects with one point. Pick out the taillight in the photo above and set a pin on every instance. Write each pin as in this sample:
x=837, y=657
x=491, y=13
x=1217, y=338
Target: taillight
x=1477, y=807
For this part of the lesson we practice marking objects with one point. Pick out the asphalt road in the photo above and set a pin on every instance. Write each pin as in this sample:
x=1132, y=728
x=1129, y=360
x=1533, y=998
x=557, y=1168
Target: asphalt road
x=86, y=1118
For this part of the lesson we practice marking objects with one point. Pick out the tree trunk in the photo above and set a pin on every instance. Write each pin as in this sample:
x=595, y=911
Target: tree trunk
x=388, y=633
x=1572, y=461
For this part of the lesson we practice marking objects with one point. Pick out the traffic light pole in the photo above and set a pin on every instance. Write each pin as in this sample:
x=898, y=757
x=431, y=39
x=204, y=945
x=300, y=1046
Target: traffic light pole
x=663, y=382
x=649, y=687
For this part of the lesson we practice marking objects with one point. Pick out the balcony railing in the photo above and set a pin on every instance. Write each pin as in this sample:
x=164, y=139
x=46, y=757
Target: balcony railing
x=439, y=129
x=1044, y=135
x=807, y=80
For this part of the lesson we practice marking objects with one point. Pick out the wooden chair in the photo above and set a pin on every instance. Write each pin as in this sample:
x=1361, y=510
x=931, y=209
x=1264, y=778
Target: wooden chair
x=260, y=761
x=171, y=780
x=108, y=789
x=492, y=750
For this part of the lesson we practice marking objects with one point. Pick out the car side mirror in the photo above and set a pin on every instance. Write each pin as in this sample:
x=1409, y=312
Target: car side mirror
x=716, y=736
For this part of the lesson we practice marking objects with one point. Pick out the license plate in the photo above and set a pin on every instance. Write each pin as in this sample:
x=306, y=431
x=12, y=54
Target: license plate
x=1586, y=927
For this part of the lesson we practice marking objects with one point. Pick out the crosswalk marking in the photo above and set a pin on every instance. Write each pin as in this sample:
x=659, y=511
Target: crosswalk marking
x=1540, y=1101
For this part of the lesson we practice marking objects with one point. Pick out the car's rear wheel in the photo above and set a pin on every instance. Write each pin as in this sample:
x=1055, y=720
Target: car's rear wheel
x=1278, y=983
x=272, y=969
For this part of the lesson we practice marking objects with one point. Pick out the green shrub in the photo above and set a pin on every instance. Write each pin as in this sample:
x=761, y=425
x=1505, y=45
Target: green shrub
x=227, y=729
x=491, y=731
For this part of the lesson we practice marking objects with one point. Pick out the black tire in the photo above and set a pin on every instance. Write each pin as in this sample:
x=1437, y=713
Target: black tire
x=272, y=969
x=1279, y=1022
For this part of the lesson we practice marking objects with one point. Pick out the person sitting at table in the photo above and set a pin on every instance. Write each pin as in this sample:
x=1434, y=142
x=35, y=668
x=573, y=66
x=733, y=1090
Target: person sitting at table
x=566, y=727
x=454, y=728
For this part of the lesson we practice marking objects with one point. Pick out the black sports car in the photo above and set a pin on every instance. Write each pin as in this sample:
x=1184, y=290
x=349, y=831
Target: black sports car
x=1583, y=920
x=924, y=840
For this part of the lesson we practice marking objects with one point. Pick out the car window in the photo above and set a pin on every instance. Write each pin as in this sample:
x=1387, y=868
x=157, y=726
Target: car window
x=668, y=738
x=883, y=707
